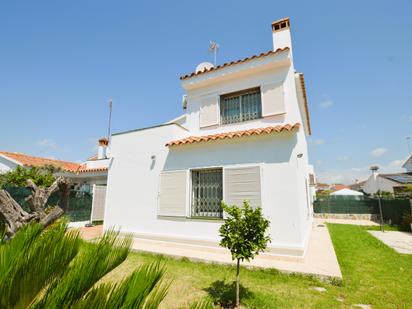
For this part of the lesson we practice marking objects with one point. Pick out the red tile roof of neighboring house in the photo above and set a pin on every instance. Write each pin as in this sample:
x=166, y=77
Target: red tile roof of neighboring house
x=84, y=169
x=271, y=52
x=31, y=161
x=338, y=187
x=236, y=134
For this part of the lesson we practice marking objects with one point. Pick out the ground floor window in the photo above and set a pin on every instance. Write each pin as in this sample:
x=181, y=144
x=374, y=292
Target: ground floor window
x=207, y=193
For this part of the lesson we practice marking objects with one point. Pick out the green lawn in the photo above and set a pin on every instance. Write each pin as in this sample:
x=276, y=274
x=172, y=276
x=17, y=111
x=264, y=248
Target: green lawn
x=372, y=274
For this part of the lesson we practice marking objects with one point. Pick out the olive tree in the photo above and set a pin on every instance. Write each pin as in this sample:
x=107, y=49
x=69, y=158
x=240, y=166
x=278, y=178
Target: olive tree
x=244, y=234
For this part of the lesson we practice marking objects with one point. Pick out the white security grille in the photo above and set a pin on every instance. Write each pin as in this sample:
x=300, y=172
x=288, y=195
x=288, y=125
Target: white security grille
x=207, y=193
x=241, y=106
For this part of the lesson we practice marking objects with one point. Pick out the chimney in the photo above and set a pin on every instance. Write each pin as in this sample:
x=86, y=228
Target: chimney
x=374, y=169
x=281, y=34
x=102, y=149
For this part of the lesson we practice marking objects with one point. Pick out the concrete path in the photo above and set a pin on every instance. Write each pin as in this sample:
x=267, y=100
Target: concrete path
x=399, y=241
x=347, y=221
x=93, y=232
x=320, y=259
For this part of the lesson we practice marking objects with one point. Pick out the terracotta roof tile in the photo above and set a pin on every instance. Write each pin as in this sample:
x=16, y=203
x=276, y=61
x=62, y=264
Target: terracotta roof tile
x=271, y=52
x=236, y=134
x=84, y=169
x=30, y=161
x=305, y=98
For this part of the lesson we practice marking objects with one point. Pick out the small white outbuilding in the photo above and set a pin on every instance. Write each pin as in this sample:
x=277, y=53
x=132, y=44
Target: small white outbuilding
x=347, y=192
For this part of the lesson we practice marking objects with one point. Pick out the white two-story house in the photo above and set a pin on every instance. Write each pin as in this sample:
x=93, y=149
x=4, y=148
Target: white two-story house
x=243, y=136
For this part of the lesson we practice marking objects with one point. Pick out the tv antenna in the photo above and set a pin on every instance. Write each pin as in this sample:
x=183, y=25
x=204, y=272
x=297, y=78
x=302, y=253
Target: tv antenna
x=213, y=47
x=110, y=118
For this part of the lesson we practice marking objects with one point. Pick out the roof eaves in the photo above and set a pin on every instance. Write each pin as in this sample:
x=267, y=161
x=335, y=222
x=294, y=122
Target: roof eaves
x=305, y=98
x=234, y=134
x=227, y=64
x=148, y=128
x=3, y=155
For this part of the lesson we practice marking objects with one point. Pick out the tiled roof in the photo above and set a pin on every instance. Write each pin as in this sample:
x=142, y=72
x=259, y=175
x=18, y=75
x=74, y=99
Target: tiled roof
x=305, y=98
x=236, y=134
x=84, y=169
x=30, y=161
x=339, y=186
x=271, y=52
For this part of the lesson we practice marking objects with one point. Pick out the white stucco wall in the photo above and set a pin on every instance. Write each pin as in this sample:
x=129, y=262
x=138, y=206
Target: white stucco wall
x=376, y=183
x=408, y=165
x=133, y=184
x=133, y=180
x=6, y=165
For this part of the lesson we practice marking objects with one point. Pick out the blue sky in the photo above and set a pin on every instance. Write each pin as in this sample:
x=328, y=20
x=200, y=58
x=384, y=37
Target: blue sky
x=60, y=62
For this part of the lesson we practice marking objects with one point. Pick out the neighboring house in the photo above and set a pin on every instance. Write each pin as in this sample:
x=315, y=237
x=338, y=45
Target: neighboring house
x=358, y=185
x=346, y=192
x=408, y=165
x=392, y=183
x=243, y=137
x=338, y=186
x=320, y=187
x=93, y=171
x=88, y=176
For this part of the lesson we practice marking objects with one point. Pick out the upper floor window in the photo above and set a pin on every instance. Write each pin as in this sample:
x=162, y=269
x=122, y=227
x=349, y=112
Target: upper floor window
x=240, y=106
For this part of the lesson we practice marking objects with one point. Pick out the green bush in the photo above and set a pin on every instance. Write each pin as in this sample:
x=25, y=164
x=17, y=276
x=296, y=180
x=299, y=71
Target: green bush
x=41, y=176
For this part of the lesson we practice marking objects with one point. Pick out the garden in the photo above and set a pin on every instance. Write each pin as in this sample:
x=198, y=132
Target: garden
x=45, y=265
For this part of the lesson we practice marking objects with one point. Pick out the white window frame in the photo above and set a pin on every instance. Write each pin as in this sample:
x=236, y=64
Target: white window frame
x=241, y=92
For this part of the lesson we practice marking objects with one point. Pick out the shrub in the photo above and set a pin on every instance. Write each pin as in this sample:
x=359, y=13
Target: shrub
x=244, y=234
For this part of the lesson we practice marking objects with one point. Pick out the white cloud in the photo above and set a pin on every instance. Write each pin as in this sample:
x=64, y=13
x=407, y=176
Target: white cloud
x=317, y=141
x=349, y=175
x=378, y=152
x=326, y=103
x=47, y=143
x=396, y=164
x=343, y=158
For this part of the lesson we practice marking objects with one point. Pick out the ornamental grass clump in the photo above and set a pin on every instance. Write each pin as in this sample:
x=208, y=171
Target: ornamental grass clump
x=52, y=268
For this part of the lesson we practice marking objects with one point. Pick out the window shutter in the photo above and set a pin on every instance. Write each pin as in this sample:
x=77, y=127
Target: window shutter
x=242, y=184
x=272, y=99
x=172, y=195
x=209, y=115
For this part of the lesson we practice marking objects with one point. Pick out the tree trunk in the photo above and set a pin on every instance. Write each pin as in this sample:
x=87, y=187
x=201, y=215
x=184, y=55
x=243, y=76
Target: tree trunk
x=237, y=283
x=64, y=189
x=56, y=213
x=39, y=197
x=15, y=217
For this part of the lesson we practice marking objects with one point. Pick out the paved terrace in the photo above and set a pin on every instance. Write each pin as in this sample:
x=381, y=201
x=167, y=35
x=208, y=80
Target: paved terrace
x=320, y=259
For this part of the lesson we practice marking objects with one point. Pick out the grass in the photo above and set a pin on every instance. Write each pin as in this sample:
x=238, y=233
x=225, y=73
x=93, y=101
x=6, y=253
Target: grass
x=372, y=274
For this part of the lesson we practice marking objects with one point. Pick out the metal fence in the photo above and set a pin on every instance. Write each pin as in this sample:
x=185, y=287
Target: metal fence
x=79, y=202
x=392, y=209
